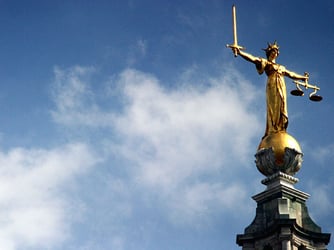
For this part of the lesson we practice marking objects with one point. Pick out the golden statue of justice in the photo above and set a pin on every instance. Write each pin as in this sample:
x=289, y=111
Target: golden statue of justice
x=275, y=138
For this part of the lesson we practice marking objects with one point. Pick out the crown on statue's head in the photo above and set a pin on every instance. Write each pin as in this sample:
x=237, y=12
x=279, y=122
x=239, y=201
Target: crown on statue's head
x=271, y=46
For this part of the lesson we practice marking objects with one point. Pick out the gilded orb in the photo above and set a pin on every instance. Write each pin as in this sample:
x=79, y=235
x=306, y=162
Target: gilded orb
x=278, y=142
x=278, y=152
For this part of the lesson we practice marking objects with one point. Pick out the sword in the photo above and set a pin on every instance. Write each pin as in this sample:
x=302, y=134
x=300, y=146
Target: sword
x=235, y=37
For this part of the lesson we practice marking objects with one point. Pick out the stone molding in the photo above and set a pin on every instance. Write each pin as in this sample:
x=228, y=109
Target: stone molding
x=267, y=163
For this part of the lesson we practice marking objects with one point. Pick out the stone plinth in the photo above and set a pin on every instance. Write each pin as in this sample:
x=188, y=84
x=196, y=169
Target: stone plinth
x=282, y=220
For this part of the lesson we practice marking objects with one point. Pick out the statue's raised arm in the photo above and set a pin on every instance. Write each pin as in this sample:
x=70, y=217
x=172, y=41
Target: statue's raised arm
x=249, y=57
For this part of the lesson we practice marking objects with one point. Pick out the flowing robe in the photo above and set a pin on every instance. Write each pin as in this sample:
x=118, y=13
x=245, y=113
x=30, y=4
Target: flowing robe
x=277, y=113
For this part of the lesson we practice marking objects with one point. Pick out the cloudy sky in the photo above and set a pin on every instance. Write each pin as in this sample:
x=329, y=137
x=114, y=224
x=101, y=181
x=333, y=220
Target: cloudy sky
x=128, y=125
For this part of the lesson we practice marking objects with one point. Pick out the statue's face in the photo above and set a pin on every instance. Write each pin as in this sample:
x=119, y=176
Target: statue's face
x=273, y=54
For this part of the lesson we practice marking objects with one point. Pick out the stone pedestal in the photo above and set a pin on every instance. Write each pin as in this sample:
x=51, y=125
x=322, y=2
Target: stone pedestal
x=282, y=220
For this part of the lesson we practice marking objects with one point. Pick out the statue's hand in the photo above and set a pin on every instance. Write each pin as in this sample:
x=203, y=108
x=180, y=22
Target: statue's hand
x=306, y=75
x=236, y=51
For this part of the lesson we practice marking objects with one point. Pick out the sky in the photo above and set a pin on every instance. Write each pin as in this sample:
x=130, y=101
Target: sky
x=128, y=125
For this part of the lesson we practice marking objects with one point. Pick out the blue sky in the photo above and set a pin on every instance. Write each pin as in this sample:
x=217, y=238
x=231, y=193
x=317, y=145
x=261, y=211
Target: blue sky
x=128, y=125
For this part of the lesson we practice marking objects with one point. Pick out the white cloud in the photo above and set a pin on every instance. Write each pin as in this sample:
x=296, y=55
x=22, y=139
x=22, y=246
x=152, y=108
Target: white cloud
x=75, y=99
x=34, y=210
x=173, y=134
x=203, y=199
x=136, y=52
x=185, y=143
x=142, y=47
x=321, y=204
x=323, y=154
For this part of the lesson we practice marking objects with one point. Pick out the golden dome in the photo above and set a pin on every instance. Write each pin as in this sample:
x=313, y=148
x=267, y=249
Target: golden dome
x=278, y=152
x=278, y=142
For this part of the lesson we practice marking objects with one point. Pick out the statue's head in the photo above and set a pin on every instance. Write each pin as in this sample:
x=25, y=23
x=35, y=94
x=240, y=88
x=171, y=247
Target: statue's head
x=272, y=47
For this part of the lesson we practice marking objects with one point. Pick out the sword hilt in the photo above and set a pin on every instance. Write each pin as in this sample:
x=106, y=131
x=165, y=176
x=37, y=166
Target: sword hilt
x=234, y=47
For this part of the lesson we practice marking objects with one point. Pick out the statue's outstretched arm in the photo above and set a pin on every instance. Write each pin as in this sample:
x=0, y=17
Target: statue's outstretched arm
x=296, y=76
x=248, y=57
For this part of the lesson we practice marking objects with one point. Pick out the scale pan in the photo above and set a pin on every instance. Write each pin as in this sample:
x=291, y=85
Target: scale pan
x=316, y=98
x=297, y=92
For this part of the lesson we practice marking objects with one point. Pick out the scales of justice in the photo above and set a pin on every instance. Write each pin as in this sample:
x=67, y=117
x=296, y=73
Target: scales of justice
x=278, y=151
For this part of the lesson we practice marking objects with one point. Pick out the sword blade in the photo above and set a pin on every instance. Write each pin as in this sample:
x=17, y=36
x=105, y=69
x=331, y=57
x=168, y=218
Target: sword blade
x=235, y=45
x=234, y=20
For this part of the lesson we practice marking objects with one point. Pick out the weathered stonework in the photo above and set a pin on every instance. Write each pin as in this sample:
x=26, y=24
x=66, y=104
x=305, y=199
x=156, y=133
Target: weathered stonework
x=282, y=220
x=267, y=164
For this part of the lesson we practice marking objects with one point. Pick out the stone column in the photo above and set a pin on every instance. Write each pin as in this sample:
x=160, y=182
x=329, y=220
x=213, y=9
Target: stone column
x=286, y=245
x=285, y=238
